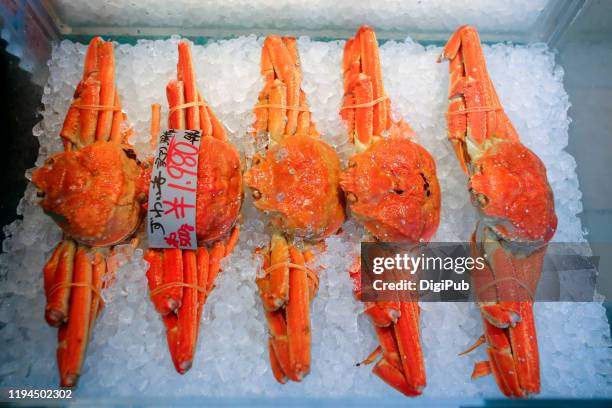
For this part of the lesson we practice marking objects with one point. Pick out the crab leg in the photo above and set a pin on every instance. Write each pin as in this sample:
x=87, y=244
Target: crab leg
x=176, y=97
x=370, y=66
x=155, y=123
x=288, y=325
x=83, y=289
x=90, y=95
x=97, y=276
x=277, y=328
x=56, y=311
x=51, y=266
x=277, y=115
x=390, y=368
x=509, y=325
x=407, y=336
x=188, y=322
x=279, y=277
x=187, y=75
x=382, y=314
x=73, y=335
x=298, y=317
x=173, y=272
x=283, y=56
x=77, y=119
x=362, y=85
x=277, y=370
x=217, y=253
x=106, y=61
x=91, y=65
x=155, y=278
x=397, y=328
x=472, y=91
x=203, y=264
x=116, y=135
x=313, y=279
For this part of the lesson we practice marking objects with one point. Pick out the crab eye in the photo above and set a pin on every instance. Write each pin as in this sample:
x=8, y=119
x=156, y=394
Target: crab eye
x=256, y=194
x=130, y=154
x=482, y=199
x=50, y=161
x=425, y=185
x=398, y=191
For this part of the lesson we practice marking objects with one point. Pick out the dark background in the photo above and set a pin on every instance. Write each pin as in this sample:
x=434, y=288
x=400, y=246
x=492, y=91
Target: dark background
x=19, y=112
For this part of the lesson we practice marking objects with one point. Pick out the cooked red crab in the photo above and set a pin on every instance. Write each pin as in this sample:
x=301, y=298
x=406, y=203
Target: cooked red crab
x=180, y=280
x=295, y=181
x=94, y=191
x=392, y=189
x=509, y=187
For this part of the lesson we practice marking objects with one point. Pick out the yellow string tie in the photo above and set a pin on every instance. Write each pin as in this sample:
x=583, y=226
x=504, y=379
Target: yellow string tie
x=475, y=110
x=61, y=285
x=96, y=107
x=186, y=105
x=280, y=106
x=169, y=285
x=311, y=275
x=367, y=104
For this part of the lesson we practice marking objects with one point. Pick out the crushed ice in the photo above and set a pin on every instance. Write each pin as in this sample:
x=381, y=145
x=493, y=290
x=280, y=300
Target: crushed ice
x=128, y=355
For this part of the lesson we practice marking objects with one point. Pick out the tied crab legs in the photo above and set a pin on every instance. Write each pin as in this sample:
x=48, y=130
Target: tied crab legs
x=392, y=189
x=180, y=280
x=295, y=181
x=94, y=190
x=509, y=187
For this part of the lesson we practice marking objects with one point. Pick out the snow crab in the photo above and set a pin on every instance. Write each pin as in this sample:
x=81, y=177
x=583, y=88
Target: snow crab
x=392, y=189
x=294, y=180
x=510, y=189
x=180, y=280
x=94, y=190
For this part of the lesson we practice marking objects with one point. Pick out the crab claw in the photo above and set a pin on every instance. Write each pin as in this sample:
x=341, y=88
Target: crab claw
x=505, y=288
x=292, y=286
x=73, y=278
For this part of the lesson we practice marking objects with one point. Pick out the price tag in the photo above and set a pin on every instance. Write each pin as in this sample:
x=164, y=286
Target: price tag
x=172, y=192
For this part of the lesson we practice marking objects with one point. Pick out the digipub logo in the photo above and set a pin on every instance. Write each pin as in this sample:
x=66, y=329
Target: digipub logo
x=451, y=272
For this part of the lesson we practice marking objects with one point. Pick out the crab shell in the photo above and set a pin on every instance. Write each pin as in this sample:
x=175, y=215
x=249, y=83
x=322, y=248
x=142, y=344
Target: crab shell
x=219, y=190
x=297, y=183
x=510, y=187
x=94, y=194
x=393, y=190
